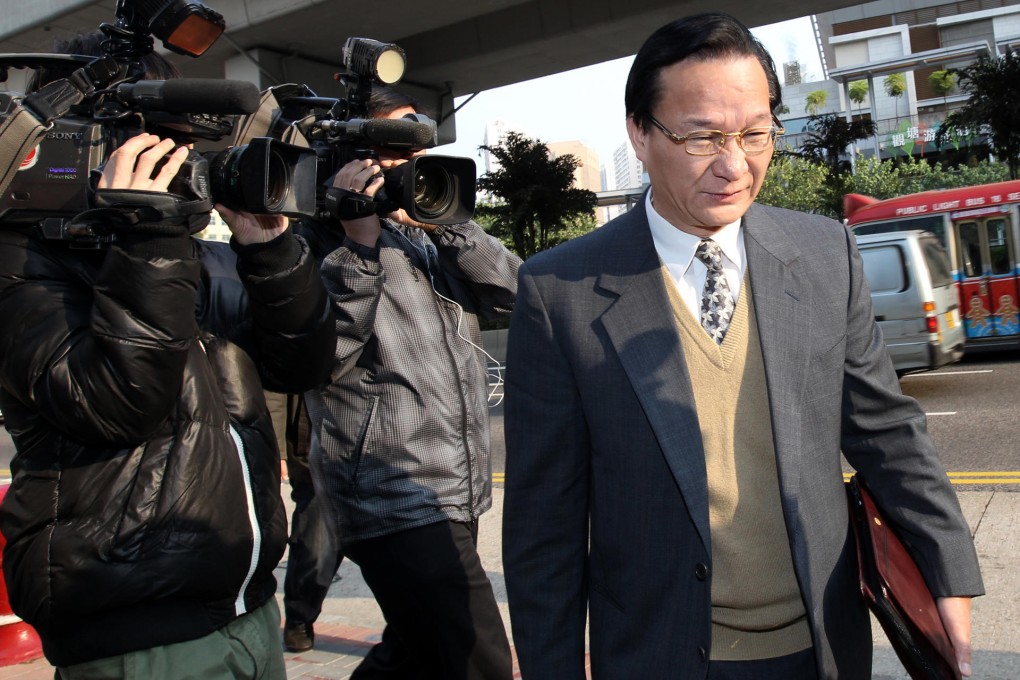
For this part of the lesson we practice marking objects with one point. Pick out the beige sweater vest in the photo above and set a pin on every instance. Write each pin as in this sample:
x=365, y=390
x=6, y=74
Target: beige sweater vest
x=757, y=609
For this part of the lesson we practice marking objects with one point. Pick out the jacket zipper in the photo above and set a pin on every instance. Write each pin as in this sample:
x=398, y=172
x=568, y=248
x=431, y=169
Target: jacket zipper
x=463, y=407
x=456, y=371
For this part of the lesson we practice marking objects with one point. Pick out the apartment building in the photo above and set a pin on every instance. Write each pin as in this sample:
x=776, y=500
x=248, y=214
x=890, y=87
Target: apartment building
x=914, y=38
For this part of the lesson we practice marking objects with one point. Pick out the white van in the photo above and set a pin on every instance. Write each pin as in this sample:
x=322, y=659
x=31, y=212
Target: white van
x=915, y=298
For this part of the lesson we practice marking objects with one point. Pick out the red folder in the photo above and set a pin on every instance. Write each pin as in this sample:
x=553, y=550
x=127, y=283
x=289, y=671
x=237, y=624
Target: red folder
x=896, y=592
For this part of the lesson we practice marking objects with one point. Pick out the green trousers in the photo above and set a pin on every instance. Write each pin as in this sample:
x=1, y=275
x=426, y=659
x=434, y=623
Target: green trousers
x=247, y=648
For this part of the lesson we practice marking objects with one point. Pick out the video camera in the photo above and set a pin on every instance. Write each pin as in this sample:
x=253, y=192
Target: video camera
x=267, y=175
x=95, y=103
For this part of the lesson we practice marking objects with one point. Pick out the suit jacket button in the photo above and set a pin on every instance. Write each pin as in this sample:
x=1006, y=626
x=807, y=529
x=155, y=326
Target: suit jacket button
x=701, y=571
x=702, y=653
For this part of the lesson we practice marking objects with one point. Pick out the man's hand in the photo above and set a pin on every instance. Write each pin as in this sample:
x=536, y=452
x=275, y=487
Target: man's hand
x=955, y=613
x=248, y=228
x=365, y=177
x=130, y=166
x=400, y=216
x=361, y=177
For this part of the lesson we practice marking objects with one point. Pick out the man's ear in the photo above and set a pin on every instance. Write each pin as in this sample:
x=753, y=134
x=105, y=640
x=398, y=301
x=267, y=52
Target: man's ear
x=638, y=138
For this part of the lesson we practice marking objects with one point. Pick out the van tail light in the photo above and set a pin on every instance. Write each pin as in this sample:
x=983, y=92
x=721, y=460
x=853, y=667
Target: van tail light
x=931, y=320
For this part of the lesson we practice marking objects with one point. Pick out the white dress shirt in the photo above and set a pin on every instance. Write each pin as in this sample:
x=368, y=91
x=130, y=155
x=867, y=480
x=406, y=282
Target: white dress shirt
x=676, y=250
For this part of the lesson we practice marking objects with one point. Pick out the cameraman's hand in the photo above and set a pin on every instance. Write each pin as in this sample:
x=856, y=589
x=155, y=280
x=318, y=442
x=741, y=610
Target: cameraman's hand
x=248, y=228
x=361, y=177
x=368, y=174
x=131, y=165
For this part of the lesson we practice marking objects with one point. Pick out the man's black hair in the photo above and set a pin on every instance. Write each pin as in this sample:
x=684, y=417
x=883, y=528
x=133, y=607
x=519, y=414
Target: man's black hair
x=711, y=35
x=385, y=100
x=157, y=67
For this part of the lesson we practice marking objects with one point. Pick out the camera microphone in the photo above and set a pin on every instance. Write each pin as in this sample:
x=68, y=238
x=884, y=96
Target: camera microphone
x=192, y=95
x=392, y=133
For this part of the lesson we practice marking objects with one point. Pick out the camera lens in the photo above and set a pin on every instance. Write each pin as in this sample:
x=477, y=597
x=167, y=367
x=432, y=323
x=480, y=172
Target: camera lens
x=256, y=177
x=433, y=191
x=277, y=182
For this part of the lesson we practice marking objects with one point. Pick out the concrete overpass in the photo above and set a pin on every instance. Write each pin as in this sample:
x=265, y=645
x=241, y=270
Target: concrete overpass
x=454, y=47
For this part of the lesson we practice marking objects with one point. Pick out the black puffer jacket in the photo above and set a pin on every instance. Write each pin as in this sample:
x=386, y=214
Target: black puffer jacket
x=145, y=506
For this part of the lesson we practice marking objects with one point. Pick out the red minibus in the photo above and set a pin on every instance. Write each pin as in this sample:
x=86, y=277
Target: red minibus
x=979, y=227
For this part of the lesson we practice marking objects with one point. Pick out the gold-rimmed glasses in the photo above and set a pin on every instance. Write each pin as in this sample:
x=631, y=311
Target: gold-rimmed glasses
x=753, y=140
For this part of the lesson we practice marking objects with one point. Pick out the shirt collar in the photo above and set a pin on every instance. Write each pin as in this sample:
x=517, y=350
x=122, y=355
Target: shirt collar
x=676, y=247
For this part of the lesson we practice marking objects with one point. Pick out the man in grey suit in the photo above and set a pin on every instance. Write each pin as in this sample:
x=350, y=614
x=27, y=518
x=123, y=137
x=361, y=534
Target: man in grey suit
x=680, y=385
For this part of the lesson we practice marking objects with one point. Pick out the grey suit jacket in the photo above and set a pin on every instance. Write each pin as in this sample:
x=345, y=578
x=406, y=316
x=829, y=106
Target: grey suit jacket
x=606, y=504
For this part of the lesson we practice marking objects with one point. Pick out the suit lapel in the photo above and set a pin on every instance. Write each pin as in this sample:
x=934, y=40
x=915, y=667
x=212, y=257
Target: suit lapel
x=643, y=332
x=783, y=325
x=641, y=327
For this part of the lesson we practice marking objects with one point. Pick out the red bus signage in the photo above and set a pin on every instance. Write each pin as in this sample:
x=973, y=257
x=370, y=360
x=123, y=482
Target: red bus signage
x=979, y=227
x=859, y=208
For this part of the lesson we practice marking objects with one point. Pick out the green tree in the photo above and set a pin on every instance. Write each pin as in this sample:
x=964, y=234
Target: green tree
x=800, y=184
x=826, y=143
x=574, y=226
x=942, y=82
x=993, y=84
x=875, y=178
x=794, y=183
x=984, y=172
x=858, y=92
x=894, y=177
x=916, y=175
x=485, y=217
x=534, y=200
x=895, y=85
x=815, y=101
x=577, y=225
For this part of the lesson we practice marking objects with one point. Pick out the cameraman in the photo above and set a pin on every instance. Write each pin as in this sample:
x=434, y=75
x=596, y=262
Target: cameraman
x=145, y=519
x=403, y=470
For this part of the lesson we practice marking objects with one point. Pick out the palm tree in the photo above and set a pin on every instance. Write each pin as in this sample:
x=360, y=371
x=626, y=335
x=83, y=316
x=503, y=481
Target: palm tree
x=537, y=199
x=942, y=82
x=829, y=137
x=993, y=84
x=815, y=101
x=895, y=85
x=858, y=93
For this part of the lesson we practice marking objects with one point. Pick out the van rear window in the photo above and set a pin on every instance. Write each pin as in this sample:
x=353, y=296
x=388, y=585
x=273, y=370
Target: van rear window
x=938, y=263
x=884, y=268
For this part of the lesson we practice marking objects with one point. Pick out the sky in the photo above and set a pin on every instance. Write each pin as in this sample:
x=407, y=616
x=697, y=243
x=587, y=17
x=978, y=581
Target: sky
x=586, y=104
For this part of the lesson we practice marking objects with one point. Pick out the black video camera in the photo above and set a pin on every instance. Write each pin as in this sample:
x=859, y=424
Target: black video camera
x=52, y=186
x=267, y=175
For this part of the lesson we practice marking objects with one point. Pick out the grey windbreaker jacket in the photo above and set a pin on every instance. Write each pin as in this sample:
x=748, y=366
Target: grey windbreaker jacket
x=405, y=429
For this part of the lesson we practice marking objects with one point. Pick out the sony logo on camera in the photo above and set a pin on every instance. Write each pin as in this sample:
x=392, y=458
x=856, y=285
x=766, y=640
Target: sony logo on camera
x=53, y=179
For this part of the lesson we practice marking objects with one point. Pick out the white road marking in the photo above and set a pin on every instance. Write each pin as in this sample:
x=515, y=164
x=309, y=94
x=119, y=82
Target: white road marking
x=929, y=375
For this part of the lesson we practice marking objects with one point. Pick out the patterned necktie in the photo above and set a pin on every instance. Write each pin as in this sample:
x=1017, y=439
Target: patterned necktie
x=716, y=299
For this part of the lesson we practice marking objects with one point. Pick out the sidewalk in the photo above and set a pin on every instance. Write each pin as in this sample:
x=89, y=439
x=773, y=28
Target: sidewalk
x=351, y=621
